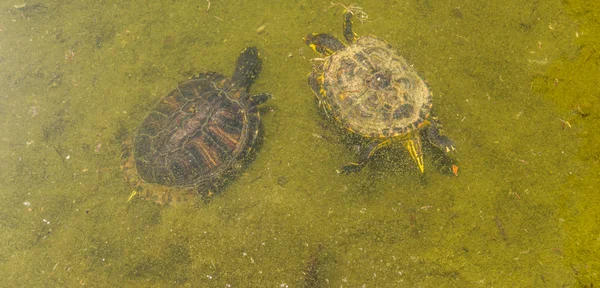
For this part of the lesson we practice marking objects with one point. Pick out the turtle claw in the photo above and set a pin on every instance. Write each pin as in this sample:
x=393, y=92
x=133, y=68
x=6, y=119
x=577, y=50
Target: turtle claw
x=436, y=136
x=350, y=168
x=445, y=144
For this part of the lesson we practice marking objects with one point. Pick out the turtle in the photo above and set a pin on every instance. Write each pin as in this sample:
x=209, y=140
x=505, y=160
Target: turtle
x=197, y=137
x=373, y=92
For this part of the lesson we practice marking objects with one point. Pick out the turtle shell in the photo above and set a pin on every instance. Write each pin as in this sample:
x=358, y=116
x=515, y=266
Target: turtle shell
x=191, y=139
x=373, y=91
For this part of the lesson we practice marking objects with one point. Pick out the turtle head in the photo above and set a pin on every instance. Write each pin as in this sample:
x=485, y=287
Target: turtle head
x=247, y=68
x=323, y=44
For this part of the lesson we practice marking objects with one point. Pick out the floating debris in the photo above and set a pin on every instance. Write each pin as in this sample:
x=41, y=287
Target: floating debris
x=261, y=29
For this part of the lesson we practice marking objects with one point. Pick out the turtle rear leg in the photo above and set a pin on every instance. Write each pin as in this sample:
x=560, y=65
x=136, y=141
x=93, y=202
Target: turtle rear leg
x=414, y=147
x=436, y=136
x=364, y=157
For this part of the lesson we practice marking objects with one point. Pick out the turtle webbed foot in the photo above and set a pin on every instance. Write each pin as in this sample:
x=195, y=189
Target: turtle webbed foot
x=444, y=143
x=436, y=136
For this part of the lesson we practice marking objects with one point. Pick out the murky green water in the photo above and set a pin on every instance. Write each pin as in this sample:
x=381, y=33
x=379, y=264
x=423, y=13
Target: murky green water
x=515, y=85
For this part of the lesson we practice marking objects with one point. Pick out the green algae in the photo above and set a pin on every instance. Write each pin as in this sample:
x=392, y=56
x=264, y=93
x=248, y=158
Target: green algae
x=77, y=77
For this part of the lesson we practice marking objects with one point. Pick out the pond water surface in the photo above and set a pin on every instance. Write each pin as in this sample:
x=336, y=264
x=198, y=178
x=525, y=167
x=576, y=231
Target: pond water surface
x=514, y=83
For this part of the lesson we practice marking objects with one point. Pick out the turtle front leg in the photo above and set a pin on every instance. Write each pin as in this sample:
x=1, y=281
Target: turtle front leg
x=315, y=86
x=349, y=13
x=436, y=136
x=258, y=99
x=364, y=157
x=348, y=32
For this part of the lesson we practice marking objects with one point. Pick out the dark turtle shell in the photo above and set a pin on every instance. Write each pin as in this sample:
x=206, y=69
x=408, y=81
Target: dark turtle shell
x=373, y=91
x=195, y=136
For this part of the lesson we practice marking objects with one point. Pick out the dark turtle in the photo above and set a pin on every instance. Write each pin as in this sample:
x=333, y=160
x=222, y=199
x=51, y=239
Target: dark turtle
x=373, y=92
x=194, y=138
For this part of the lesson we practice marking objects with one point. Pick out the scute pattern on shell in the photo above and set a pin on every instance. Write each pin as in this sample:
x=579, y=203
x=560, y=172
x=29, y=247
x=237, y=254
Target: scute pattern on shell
x=373, y=91
x=192, y=134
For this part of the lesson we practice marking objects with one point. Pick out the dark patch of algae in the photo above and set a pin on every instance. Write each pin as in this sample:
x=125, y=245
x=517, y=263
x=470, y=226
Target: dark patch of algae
x=571, y=82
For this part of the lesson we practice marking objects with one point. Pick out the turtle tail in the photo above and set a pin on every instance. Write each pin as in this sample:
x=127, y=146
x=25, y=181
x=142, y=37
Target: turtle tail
x=247, y=68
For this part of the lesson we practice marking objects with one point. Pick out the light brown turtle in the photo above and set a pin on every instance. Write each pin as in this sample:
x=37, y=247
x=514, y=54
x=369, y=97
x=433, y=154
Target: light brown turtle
x=373, y=92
